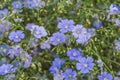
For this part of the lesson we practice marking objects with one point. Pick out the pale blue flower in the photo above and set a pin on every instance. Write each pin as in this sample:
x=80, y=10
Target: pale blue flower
x=5, y=69
x=17, y=4
x=97, y=24
x=57, y=38
x=16, y=36
x=66, y=25
x=105, y=76
x=70, y=74
x=85, y=64
x=84, y=38
x=56, y=65
x=74, y=54
x=78, y=31
x=40, y=32
x=33, y=4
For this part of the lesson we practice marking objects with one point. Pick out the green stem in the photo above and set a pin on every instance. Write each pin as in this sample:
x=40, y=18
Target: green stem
x=99, y=57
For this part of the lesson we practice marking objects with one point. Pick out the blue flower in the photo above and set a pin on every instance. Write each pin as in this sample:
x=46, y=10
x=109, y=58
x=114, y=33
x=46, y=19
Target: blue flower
x=26, y=58
x=117, y=21
x=6, y=25
x=4, y=13
x=58, y=75
x=45, y=45
x=16, y=36
x=92, y=31
x=70, y=74
x=9, y=77
x=100, y=64
x=4, y=49
x=18, y=63
x=105, y=76
x=97, y=24
x=84, y=38
x=57, y=38
x=40, y=32
x=117, y=44
x=56, y=65
x=81, y=34
x=74, y=54
x=31, y=27
x=66, y=25
x=33, y=4
x=53, y=69
x=17, y=4
x=114, y=9
x=78, y=31
x=85, y=64
x=58, y=62
x=5, y=69
x=15, y=51
x=3, y=61
x=27, y=61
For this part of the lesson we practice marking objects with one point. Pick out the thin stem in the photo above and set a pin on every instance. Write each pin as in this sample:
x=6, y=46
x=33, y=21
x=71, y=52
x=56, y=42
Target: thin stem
x=99, y=57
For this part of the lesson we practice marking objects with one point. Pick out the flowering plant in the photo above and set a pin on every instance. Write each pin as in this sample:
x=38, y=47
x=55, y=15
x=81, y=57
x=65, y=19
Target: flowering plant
x=59, y=40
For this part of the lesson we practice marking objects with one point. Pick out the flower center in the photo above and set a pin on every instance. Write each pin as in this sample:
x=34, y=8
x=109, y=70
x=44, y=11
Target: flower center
x=12, y=52
x=105, y=79
x=21, y=51
x=66, y=27
x=74, y=54
x=16, y=36
x=85, y=65
x=37, y=32
x=78, y=32
x=6, y=71
x=58, y=40
x=4, y=50
x=70, y=76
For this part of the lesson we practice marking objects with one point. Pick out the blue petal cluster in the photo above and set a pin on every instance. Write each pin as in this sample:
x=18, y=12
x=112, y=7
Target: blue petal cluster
x=17, y=4
x=97, y=24
x=105, y=76
x=85, y=64
x=15, y=51
x=56, y=65
x=6, y=68
x=4, y=13
x=4, y=49
x=57, y=38
x=33, y=4
x=117, y=44
x=81, y=34
x=114, y=9
x=70, y=74
x=38, y=31
x=74, y=54
x=65, y=25
x=45, y=45
x=16, y=36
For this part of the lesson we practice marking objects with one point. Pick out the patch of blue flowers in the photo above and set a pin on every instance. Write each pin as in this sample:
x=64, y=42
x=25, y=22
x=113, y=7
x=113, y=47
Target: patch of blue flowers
x=42, y=42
